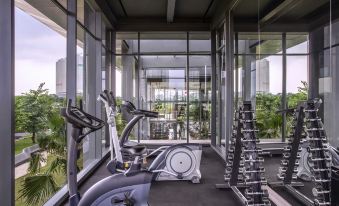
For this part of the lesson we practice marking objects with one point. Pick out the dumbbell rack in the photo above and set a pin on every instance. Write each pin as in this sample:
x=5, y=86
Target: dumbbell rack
x=243, y=164
x=306, y=122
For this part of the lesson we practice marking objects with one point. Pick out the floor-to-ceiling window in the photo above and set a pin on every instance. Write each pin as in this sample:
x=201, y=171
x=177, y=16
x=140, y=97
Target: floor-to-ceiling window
x=172, y=77
x=42, y=71
x=325, y=47
x=163, y=65
x=260, y=76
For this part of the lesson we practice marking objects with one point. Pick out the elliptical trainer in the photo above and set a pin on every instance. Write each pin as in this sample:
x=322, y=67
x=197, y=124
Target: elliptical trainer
x=176, y=162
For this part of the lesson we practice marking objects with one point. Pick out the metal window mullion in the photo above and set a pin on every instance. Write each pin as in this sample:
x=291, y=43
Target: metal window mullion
x=71, y=57
x=98, y=81
x=236, y=67
x=187, y=87
x=71, y=60
x=283, y=96
x=213, y=88
x=7, y=126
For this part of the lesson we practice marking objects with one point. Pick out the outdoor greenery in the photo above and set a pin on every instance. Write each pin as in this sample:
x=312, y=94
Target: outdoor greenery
x=21, y=144
x=59, y=180
x=38, y=113
x=199, y=120
x=31, y=110
x=119, y=121
x=269, y=120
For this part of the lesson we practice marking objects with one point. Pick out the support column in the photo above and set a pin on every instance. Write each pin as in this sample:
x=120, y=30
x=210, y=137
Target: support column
x=92, y=144
x=7, y=126
x=127, y=62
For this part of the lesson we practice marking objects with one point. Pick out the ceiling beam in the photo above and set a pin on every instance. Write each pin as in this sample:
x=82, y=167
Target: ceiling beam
x=278, y=11
x=170, y=10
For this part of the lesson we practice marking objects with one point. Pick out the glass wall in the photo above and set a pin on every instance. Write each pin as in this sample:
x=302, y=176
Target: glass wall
x=169, y=78
x=41, y=79
x=199, y=97
x=326, y=71
x=40, y=91
x=165, y=92
x=126, y=59
x=278, y=63
x=260, y=66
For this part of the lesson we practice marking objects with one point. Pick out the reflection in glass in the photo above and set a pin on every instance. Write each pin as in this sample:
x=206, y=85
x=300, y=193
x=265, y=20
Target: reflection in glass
x=199, y=97
x=163, y=89
x=252, y=43
x=296, y=43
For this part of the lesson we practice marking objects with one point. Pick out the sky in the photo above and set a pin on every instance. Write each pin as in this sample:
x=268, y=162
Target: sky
x=37, y=49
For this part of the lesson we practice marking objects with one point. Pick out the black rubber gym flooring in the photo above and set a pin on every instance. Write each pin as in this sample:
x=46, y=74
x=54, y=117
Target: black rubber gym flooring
x=180, y=193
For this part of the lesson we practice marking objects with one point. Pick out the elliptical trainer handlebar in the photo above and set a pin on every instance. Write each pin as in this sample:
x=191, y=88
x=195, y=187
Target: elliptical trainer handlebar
x=108, y=97
x=80, y=119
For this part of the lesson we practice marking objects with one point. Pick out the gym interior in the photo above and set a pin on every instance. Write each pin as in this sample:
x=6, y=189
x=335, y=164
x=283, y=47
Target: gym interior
x=253, y=82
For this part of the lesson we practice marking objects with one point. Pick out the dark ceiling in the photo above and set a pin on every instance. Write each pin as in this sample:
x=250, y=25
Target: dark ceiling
x=298, y=15
x=158, y=8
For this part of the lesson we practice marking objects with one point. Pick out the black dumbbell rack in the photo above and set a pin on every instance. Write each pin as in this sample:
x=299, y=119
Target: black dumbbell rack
x=243, y=164
x=307, y=123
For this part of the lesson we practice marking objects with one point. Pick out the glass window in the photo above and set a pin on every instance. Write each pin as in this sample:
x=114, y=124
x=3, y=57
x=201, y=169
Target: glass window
x=164, y=89
x=80, y=62
x=254, y=43
x=199, y=97
x=296, y=84
x=40, y=91
x=267, y=73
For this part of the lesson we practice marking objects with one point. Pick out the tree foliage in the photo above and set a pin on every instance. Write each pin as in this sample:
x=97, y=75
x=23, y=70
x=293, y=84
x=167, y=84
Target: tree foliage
x=269, y=121
x=32, y=109
x=38, y=112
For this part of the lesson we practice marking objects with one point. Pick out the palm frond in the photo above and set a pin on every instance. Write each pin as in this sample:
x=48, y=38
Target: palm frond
x=58, y=165
x=36, y=189
x=35, y=163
